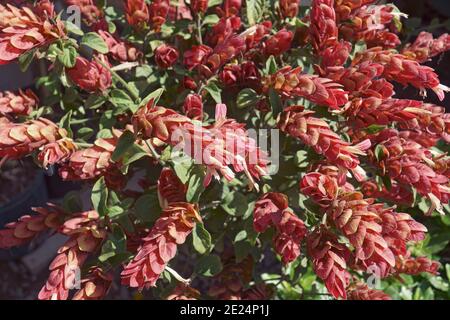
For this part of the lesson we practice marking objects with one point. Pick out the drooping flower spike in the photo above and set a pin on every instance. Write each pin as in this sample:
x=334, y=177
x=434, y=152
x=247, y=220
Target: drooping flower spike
x=22, y=30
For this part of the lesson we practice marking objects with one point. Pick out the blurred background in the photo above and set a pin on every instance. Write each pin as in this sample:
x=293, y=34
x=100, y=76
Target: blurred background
x=23, y=271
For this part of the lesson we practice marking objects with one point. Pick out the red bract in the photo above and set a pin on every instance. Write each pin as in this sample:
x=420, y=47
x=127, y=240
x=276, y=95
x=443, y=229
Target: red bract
x=120, y=50
x=319, y=187
x=230, y=8
x=160, y=246
x=345, y=7
x=409, y=114
x=184, y=292
x=399, y=229
x=193, y=106
x=199, y=6
x=355, y=217
x=289, y=8
x=95, y=286
x=314, y=132
x=137, y=13
x=409, y=163
x=271, y=204
x=223, y=144
x=18, y=103
x=222, y=54
x=362, y=80
x=90, y=12
x=361, y=291
x=399, y=68
x=335, y=55
x=272, y=210
x=91, y=76
x=56, y=152
x=397, y=194
x=195, y=56
x=170, y=188
x=22, y=30
x=158, y=10
x=19, y=139
x=29, y=227
x=329, y=258
x=415, y=266
x=426, y=47
x=222, y=30
x=278, y=43
x=292, y=83
x=244, y=74
x=290, y=233
x=85, y=238
x=166, y=56
x=368, y=24
x=92, y=162
x=323, y=28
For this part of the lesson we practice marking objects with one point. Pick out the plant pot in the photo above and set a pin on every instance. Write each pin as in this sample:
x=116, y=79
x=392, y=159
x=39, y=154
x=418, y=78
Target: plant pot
x=34, y=195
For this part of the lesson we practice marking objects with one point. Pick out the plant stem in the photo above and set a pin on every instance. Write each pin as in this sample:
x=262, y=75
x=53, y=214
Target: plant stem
x=153, y=152
x=120, y=79
x=199, y=29
x=177, y=276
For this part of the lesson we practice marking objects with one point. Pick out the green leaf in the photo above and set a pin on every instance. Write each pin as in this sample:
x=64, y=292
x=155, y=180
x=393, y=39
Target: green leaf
x=133, y=154
x=155, y=96
x=195, y=184
x=65, y=123
x=379, y=152
x=72, y=203
x=99, y=197
x=121, y=99
x=255, y=10
x=182, y=166
x=147, y=207
x=114, y=250
x=374, y=128
x=210, y=19
x=246, y=98
x=68, y=57
x=94, y=41
x=271, y=66
x=73, y=28
x=275, y=102
x=201, y=239
x=208, y=266
x=242, y=235
x=26, y=59
x=126, y=141
x=95, y=101
x=242, y=250
x=214, y=91
x=213, y=3
x=236, y=204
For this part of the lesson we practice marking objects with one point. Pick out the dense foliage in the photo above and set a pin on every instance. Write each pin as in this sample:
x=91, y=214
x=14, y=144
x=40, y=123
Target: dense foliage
x=341, y=193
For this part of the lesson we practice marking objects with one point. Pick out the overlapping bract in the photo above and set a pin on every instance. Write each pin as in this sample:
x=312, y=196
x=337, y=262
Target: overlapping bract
x=20, y=139
x=290, y=83
x=22, y=30
x=18, y=103
x=160, y=246
x=85, y=237
x=315, y=132
x=221, y=145
x=29, y=227
x=272, y=210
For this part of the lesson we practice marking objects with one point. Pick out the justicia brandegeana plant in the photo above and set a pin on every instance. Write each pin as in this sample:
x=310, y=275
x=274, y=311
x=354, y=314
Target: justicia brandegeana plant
x=141, y=77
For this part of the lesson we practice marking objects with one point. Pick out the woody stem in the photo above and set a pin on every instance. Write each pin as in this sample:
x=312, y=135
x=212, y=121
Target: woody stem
x=177, y=276
x=120, y=79
x=199, y=29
